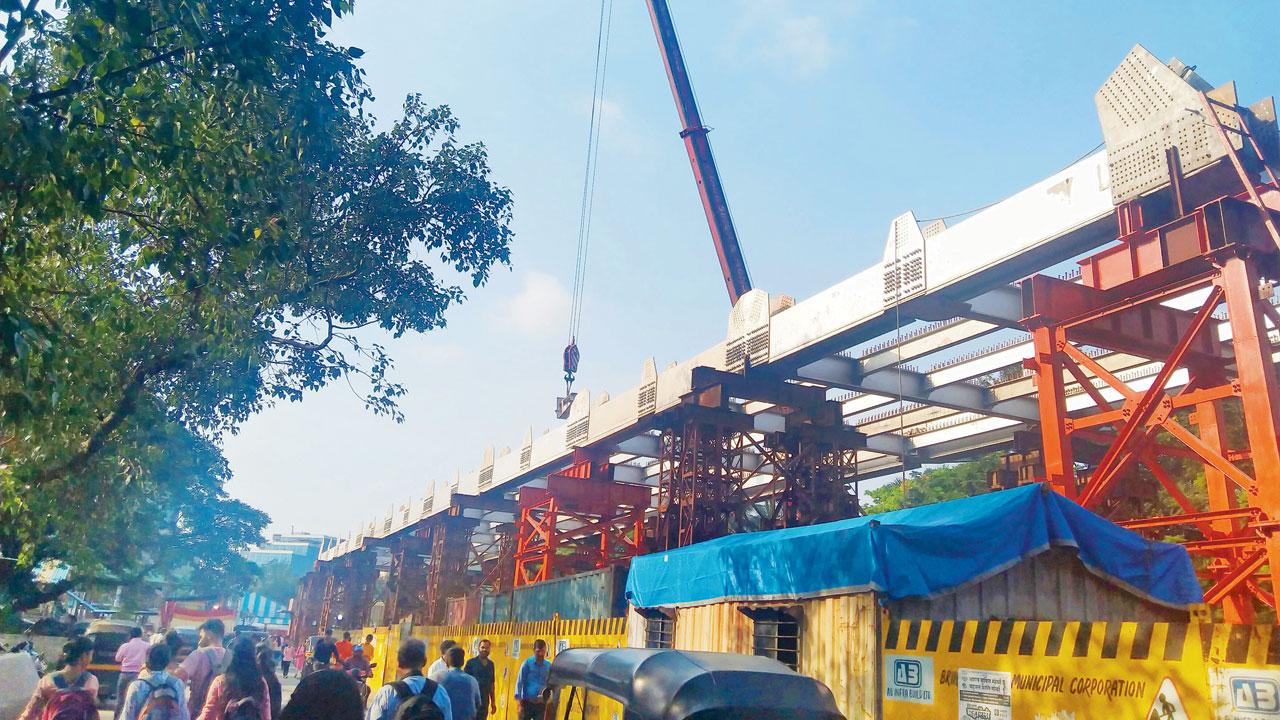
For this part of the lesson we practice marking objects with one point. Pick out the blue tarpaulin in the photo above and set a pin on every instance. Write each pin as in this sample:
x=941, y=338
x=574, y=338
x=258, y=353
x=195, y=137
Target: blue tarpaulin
x=918, y=552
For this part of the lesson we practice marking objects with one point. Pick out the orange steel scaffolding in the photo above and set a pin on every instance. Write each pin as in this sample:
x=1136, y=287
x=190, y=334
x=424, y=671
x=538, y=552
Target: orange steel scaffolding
x=1158, y=297
x=582, y=520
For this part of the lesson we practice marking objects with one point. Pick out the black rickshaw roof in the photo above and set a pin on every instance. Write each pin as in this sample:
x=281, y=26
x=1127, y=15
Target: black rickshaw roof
x=659, y=684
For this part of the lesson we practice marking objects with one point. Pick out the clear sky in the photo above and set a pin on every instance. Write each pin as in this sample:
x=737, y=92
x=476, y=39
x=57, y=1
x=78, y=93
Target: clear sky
x=830, y=118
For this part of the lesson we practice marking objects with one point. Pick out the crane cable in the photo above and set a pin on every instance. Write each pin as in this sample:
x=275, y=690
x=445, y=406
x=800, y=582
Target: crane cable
x=571, y=353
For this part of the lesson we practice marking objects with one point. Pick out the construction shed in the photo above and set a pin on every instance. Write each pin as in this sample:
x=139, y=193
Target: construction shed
x=1023, y=572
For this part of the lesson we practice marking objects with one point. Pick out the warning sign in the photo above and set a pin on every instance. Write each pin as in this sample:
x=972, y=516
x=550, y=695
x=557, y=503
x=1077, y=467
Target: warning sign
x=1167, y=705
x=985, y=694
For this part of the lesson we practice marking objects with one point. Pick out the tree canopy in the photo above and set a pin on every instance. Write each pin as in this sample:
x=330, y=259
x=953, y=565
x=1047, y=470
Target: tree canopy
x=198, y=215
x=925, y=487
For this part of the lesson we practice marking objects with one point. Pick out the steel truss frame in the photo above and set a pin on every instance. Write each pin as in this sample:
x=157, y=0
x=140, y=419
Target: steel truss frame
x=719, y=474
x=1219, y=252
x=582, y=520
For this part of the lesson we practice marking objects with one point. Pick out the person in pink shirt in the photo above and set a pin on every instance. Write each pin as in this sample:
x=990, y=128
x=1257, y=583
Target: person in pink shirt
x=241, y=691
x=132, y=656
x=300, y=656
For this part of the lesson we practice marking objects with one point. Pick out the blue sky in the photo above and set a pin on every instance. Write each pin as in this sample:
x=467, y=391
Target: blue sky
x=830, y=118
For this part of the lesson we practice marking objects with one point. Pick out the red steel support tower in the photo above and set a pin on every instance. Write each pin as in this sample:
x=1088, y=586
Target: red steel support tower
x=1186, y=292
x=582, y=520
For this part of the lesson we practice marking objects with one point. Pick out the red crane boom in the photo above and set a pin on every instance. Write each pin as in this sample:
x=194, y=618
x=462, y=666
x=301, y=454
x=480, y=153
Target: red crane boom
x=732, y=265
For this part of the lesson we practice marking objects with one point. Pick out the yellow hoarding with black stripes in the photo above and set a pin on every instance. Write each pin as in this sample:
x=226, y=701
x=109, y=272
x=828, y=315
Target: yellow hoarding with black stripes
x=1000, y=670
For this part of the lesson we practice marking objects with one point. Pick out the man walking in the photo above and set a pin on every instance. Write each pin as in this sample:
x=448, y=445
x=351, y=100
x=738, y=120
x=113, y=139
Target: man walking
x=204, y=663
x=464, y=691
x=438, y=668
x=480, y=667
x=410, y=687
x=132, y=656
x=531, y=681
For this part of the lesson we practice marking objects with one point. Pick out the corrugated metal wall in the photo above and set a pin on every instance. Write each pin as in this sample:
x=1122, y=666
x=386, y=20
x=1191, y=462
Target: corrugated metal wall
x=713, y=628
x=839, y=643
x=1053, y=585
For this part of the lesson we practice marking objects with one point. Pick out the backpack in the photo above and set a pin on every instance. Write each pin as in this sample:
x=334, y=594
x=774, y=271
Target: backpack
x=71, y=701
x=416, y=706
x=161, y=702
x=245, y=708
x=200, y=686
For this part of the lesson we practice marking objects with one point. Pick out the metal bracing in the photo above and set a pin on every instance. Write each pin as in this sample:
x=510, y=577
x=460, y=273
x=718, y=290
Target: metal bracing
x=1130, y=301
x=722, y=470
x=583, y=519
x=447, y=574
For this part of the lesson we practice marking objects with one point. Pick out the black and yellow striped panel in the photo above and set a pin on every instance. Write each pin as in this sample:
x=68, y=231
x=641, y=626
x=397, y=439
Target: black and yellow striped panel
x=1252, y=645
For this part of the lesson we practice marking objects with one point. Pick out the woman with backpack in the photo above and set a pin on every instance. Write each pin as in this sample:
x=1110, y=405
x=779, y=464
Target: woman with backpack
x=70, y=693
x=156, y=695
x=241, y=692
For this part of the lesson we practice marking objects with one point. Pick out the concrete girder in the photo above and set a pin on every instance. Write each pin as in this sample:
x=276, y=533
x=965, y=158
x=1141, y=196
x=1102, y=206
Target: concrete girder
x=1001, y=305
x=909, y=385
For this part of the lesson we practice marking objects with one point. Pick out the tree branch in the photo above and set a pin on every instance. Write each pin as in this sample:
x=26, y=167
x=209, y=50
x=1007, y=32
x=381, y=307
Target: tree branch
x=306, y=346
x=79, y=83
x=12, y=42
x=124, y=408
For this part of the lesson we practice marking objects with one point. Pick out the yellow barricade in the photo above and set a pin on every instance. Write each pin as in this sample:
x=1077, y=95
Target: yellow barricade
x=1026, y=669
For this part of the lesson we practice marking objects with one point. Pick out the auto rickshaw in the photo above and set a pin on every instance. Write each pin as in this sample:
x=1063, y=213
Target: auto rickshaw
x=654, y=684
x=107, y=637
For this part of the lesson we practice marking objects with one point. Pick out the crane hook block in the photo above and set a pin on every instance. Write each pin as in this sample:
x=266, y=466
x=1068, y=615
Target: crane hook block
x=571, y=356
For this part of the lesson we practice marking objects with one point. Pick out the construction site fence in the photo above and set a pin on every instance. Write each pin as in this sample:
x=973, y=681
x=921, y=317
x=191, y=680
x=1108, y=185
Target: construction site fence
x=1052, y=670
x=512, y=644
x=1058, y=670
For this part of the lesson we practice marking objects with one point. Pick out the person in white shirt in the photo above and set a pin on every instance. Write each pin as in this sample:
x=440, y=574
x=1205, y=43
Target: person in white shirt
x=440, y=667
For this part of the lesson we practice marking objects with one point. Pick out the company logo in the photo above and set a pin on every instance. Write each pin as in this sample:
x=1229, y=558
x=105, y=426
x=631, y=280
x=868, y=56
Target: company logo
x=907, y=673
x=908, y=679
x=1255, y=695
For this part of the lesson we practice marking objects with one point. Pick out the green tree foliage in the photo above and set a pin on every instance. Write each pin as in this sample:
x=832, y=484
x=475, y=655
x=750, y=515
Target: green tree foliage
x=197, y=217
x=947, y=482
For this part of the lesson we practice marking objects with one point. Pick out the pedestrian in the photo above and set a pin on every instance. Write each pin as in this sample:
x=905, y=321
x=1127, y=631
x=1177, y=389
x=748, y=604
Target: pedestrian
x=286, y=656
x=531, y=682
x=325, y=695
x=132, y=656
x=325, y=653
x=173, y=640
x=368, y=645
x=204, y=663
x=70, y=692
x=241, y=692
x=156, y=694
x=416, y=693
x=441, y=666
x=344, y=648
x=267, y=664
x=464, y=691
x=300, y=656
x=480, y=667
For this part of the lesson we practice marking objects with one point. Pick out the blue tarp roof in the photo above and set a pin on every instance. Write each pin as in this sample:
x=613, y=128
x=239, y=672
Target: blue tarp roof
x=918, y=552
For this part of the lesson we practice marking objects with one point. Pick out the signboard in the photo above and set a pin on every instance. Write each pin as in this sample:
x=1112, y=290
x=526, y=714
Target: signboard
x=985, y=694
x=1246, y=693
x=908, y=679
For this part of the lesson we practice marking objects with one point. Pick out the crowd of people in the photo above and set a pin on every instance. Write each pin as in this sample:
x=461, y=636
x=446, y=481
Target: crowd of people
x=238, y=681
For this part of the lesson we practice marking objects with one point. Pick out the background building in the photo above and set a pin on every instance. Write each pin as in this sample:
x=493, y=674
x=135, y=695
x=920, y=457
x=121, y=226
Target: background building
x=296, y=550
